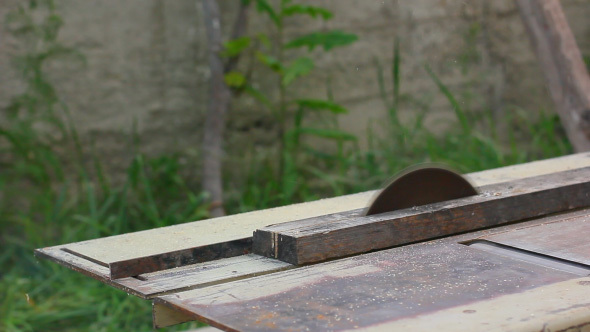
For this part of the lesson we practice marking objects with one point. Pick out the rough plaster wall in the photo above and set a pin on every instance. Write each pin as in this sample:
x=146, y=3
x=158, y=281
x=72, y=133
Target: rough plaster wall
x=147, y=65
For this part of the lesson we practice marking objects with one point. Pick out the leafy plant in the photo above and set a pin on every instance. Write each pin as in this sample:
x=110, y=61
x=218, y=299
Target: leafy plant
x=273, y=52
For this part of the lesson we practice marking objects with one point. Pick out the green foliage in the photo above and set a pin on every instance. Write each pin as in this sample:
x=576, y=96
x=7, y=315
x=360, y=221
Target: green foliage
x=459, y=113
x=235, y=79
x=264, y=7
x=328, y=40
x=470, y=54
x=236, y=46
x=469, y=143
x=299, y=67
x=271, y=62
x=291, y=112
x=312, y=11
x=320, y=104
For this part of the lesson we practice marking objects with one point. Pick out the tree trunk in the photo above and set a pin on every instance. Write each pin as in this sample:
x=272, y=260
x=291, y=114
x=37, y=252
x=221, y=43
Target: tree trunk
x=564, y=69
x=219, y=98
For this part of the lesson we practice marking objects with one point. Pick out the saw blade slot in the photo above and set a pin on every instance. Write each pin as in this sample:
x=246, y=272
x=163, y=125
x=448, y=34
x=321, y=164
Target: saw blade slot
x=531, y=257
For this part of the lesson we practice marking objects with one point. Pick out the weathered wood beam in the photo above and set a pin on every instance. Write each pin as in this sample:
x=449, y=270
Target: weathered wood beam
x=342, y=234
x=562, y=64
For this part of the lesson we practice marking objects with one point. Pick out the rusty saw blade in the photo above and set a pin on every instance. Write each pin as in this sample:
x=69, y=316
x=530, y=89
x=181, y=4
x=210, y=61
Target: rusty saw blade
x=420, y=185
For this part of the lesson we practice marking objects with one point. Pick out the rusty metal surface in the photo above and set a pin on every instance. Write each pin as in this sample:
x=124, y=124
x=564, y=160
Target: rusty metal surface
x=419, y=186
x=364, y=290
x=567, y=239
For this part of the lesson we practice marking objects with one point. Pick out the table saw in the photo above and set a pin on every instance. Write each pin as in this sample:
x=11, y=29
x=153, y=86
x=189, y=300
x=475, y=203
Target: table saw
x=502, y=249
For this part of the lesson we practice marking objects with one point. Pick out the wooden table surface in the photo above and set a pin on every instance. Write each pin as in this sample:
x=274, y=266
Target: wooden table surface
x=377, y=290
x=507, y=278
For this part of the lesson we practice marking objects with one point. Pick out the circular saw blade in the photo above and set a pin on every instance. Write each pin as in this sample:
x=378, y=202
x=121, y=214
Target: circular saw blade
x=419, y=185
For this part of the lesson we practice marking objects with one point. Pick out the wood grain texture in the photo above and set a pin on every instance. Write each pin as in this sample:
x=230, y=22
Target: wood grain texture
x=207, y=274
x=59, y=255
x=183, y=238
x=563, y=66
x=183, y=257
x=372, y=289
x=562, y=306
x=317, y=239
x=192, y=276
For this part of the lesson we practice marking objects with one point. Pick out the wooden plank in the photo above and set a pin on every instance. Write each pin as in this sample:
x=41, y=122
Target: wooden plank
x=182, y=257
x=101, y=273
x=185, y=239
x=562, y=64
x=207, y=274
x=187, y=277
x=367, y=290
x=562, y=306
x=182, y=239
x=567, y=239
x=316, y=239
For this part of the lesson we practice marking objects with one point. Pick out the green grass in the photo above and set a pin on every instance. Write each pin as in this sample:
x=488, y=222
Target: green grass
x=42, y=296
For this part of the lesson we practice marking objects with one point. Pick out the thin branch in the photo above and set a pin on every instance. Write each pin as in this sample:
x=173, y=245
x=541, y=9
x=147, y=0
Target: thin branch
x=238, y=31
x=219, y=98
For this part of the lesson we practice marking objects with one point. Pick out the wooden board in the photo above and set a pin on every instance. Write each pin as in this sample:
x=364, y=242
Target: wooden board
x=337, y=235
x=187, y=277
x=394, y=285
x=177, y=245
x=206, y=274
x=561, y=306
x=162, y=248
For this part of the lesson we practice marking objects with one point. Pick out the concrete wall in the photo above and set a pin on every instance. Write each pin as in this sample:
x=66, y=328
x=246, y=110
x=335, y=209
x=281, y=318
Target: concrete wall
x=146, y=62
